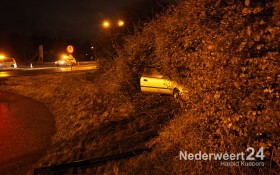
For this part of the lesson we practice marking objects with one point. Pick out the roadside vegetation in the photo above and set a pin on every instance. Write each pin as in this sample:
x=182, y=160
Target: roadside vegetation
x=94, y=115
x=226, y=54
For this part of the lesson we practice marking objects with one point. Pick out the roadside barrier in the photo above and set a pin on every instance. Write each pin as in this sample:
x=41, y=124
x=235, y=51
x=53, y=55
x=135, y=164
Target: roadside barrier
x=88, y=163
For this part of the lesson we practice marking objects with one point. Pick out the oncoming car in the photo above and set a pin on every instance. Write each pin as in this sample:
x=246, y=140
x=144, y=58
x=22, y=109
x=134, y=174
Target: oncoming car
x=66, y=61
x=7, y=62
x=152, y=81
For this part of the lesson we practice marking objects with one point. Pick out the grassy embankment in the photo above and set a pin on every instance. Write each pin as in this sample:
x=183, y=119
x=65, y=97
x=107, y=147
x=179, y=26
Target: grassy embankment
x=94, y=116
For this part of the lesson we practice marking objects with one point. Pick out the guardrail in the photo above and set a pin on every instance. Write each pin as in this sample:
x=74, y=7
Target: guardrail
x=52, y=63
x=47, y=64
x=88, y=163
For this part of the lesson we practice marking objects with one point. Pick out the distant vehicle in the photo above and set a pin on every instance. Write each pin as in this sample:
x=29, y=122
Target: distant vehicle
x=7, y=62
x=152, y=81
x=66, y=61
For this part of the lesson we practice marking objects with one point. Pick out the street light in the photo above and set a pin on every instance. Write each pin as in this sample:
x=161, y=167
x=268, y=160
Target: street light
x=106, y=24
x=93, y=52
x=120, y=23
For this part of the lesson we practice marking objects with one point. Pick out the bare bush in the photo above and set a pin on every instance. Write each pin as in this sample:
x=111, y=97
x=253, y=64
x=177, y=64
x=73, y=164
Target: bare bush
x=226, y=53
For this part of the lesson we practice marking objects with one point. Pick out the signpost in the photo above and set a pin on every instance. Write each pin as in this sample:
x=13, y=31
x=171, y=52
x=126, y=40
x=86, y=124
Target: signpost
x=41, y=53
x=70, y=50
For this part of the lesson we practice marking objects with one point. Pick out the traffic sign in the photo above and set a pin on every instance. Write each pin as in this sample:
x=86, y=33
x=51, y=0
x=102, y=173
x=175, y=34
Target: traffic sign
x=70, y=49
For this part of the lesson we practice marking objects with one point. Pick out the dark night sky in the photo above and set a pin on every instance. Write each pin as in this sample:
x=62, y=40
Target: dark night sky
x=80, y=19
x=25, y=24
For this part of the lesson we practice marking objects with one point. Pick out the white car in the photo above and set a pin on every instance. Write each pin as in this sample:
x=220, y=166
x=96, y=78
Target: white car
x=7, y=62
x=152, y=81
x=66, y=61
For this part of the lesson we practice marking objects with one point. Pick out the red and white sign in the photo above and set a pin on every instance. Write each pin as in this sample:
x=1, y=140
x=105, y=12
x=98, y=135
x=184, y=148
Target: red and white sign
x=70, y=49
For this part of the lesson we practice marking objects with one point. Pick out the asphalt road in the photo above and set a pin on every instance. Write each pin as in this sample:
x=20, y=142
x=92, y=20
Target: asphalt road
x=24, y=134
x=45, y=69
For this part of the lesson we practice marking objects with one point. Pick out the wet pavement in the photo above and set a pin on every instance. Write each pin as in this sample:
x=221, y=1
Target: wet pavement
x=46, y=68
x=26, y=127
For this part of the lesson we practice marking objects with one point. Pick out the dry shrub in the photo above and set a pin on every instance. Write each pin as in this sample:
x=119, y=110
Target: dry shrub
x=226, y=54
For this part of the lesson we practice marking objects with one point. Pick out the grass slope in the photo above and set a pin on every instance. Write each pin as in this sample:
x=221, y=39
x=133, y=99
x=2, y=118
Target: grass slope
x=93, y=117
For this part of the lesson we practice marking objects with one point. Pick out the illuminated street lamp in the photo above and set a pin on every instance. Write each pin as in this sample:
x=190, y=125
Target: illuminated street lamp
x=120, y=23
x=93, y=52
x=106, y=24
x=113, y=28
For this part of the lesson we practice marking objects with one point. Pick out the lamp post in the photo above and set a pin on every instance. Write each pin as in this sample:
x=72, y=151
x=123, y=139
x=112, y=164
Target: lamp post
x=108, y=25
x=112, y=31
x=120, y=23
x=93, y=52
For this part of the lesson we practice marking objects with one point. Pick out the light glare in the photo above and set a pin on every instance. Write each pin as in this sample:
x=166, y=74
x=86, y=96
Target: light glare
x=64, y=56
x=2, y=56
x=120, y=23
x=106, y=24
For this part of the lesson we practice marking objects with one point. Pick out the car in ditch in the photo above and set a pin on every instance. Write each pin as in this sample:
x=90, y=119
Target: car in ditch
x=7, y=62
x=66, y=61
x=152, y=81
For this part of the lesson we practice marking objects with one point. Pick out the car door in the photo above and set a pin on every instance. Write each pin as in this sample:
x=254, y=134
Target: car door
x=153, y=81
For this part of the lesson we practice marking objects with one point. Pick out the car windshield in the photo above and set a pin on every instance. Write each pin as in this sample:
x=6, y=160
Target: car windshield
x=7, y=60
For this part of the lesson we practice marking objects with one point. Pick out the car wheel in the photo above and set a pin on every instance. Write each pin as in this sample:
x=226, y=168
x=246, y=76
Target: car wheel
x=176, y=94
